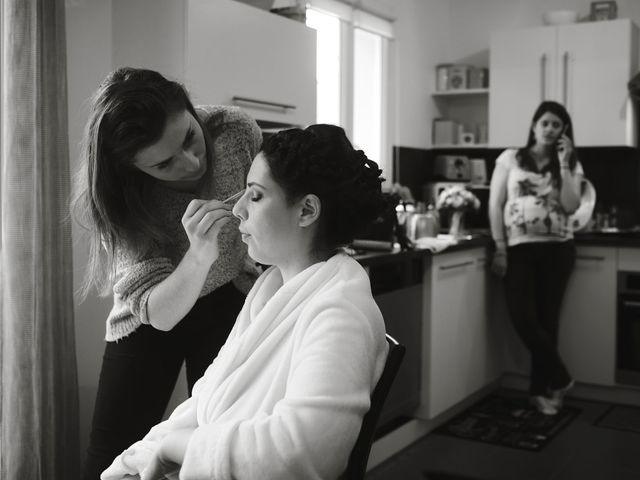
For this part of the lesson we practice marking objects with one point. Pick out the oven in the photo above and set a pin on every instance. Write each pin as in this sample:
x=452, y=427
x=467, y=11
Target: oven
x=628, y=329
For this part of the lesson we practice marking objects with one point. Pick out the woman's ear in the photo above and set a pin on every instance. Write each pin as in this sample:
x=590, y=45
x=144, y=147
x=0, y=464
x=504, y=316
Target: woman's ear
x=310, y=210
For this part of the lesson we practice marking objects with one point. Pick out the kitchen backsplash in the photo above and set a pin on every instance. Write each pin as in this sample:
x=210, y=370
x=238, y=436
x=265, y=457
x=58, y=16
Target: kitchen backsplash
x=614, y=172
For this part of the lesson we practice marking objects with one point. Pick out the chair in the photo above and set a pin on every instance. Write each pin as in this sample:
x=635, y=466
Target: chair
x=357, y=465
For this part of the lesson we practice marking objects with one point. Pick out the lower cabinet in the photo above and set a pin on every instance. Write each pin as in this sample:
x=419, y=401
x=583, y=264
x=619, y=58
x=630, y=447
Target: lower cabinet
x=588, y=317
x=586, y=340
x=459, y=352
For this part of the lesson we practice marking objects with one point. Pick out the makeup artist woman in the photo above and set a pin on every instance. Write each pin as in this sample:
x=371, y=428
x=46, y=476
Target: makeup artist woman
x=156, y=171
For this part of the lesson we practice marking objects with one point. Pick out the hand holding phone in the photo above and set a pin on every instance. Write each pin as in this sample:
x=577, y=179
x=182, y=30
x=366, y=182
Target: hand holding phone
x=564, y=147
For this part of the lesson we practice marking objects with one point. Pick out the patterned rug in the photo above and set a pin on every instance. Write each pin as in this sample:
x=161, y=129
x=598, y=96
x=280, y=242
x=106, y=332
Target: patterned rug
x=508, y=422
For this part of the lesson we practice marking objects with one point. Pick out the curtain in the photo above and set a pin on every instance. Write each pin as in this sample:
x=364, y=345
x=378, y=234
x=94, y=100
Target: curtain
x=38, y=375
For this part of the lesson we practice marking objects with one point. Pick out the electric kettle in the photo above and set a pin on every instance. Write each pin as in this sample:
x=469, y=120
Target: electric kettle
x=425, y=222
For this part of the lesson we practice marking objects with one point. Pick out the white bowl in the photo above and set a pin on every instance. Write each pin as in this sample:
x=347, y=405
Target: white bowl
x=559, y=17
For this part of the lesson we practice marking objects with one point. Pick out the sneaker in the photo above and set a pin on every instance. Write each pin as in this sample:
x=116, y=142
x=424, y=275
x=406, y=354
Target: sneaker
x=543, y=404
x=557, y=396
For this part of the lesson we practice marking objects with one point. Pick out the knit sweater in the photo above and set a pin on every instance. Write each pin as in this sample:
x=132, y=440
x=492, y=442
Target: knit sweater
x=236, y=139
x=285, y=397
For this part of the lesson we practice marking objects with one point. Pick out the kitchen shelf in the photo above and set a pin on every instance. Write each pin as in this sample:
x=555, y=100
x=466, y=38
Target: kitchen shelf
x=457, y=93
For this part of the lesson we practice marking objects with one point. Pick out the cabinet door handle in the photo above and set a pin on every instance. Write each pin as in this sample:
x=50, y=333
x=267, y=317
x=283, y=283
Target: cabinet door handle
x=565, y=78
x=543, y=77
x=594, y=258
x=263, y=103
x=455, y=265
x=629, y=303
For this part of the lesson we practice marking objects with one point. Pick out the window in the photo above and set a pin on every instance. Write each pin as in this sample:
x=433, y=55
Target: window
x=353, y=74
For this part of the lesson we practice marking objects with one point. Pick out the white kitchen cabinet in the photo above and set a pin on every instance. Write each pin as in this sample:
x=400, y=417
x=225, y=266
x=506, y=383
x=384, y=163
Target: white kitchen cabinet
x=221, y=49
x=459, y=354
x=588, y=316
x=585, y=66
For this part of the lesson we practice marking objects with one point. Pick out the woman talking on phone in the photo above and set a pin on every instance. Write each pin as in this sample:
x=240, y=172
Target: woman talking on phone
x=534, y=190
x=156, y=176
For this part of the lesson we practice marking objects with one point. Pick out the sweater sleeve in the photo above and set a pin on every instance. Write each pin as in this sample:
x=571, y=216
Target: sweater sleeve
x=133, y=284
x=338, y=357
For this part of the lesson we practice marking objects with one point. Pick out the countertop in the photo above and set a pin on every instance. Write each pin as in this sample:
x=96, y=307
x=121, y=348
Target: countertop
x=608, y=239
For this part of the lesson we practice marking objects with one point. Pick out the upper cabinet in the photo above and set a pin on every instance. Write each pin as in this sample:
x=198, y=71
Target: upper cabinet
x=225, y=52
x=584, y=66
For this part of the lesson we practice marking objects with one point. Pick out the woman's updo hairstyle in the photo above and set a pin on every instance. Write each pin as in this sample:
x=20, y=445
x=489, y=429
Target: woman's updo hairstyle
x=321, y=160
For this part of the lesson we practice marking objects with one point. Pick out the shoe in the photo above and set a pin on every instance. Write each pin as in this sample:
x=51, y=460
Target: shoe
x=557, y=396
x=543, y=404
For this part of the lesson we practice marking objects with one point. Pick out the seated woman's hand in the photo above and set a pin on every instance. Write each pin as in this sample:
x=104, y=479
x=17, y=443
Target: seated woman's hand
x=159, y=468
x=168, y=458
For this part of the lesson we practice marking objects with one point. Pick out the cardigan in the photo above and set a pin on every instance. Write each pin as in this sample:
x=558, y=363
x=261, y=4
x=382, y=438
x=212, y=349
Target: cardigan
x=286, y=395
x=236, y=139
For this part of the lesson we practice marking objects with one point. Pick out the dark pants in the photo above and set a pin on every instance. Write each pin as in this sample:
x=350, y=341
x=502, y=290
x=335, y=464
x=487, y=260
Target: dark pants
x=139, y=373
x=535, y=282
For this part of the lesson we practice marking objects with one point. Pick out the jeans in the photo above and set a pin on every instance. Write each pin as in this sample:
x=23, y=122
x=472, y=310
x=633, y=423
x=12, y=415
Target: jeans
x=535, y=282
x=139, y=373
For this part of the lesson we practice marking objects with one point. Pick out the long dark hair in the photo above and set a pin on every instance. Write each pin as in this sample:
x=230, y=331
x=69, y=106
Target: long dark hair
x=129, y=112
x=525, y=159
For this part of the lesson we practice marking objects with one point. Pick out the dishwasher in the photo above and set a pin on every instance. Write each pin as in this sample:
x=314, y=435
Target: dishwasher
x=628, y=329
x=397, y=289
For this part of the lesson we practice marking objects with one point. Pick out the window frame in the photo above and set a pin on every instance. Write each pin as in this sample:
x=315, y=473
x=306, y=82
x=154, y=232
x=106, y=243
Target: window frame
x=352, y=18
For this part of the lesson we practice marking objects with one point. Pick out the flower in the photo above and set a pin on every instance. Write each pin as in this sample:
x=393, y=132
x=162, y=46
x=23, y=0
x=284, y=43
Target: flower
x=457, y=198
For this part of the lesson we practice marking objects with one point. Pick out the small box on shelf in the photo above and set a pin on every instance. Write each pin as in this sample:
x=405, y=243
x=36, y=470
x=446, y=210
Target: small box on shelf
x=444, y=132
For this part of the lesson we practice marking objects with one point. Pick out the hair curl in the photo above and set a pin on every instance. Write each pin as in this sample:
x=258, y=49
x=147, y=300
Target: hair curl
x=321, y=160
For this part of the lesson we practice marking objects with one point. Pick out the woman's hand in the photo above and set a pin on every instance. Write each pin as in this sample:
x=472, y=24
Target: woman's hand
x=169, y=456
x=499, y=263
x=159, y=468
x=565, y=149
x=202, y=221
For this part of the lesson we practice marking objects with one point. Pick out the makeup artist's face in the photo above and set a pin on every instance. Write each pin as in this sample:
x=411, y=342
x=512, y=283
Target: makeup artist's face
x=179, y=155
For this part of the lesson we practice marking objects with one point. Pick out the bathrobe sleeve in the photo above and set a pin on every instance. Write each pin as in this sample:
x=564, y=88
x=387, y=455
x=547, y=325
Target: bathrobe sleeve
x=136, y=458
x=338, y=355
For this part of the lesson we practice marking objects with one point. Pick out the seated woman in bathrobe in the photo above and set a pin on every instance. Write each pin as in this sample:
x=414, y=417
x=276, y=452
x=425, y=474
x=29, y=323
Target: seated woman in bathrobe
x=286, y=395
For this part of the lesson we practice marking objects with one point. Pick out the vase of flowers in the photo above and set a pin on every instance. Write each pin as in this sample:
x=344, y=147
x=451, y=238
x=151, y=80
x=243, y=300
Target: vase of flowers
x=456, y=201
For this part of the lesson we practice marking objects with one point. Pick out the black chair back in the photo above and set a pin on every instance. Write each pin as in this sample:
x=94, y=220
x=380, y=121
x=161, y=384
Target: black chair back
x=357, y=466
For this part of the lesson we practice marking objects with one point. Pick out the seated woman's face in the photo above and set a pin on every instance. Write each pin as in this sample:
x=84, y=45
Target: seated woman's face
x=269, y=226
x=180, y=155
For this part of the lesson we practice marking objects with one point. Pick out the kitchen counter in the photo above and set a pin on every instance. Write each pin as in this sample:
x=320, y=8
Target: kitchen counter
x=608, y=239
x=628, y=238
x=374, y=258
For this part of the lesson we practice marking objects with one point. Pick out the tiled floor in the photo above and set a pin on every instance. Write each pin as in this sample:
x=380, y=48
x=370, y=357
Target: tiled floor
x=582, y=451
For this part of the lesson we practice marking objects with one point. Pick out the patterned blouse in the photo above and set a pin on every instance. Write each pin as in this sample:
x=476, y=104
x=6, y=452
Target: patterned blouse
x=533, y=212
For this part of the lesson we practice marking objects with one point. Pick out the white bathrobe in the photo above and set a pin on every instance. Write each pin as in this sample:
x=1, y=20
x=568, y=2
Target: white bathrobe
x=286, y=395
